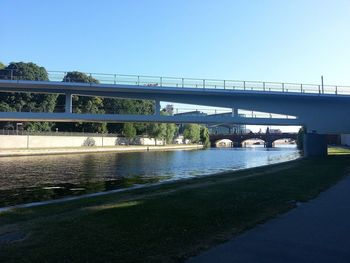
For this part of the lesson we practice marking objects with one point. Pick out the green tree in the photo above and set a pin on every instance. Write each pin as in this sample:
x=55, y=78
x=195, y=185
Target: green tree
x=128, y=106
x=204, y=137
x=157, y=131
x=4, y=106
x=300, y=138
x=24, y=71
x=2, y=66
x=129, y=131
x=76, y=76
x=28, y=101
x=171, y=129
x=192, y=132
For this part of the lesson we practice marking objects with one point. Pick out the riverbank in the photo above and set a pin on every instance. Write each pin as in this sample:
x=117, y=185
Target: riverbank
x=94, y=149
x=165, y=223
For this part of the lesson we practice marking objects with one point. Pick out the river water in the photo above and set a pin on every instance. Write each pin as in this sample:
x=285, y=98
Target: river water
x=38, y=178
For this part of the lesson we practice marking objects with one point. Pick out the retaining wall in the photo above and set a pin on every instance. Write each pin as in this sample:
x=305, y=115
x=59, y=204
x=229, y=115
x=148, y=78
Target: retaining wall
x=39, y=141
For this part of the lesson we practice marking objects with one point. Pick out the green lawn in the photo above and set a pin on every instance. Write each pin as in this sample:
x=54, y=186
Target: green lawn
x=165, y=223
x=338, y=150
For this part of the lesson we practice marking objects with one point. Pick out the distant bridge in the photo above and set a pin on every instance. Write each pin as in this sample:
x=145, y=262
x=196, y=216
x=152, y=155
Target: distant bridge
x=238, y=139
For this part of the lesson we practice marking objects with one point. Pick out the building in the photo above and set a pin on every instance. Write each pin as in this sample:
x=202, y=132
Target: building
x=169, y=108
x=226, y=128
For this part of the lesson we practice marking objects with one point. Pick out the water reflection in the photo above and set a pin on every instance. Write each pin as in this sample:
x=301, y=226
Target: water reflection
x=37, y=178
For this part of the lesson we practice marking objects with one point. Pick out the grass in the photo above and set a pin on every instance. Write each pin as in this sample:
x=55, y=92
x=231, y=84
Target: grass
x=338, y=150
x=165, y=223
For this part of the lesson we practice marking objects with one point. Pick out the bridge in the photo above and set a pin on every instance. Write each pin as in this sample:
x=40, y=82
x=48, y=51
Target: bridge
x=238, y=139
x=322, y=109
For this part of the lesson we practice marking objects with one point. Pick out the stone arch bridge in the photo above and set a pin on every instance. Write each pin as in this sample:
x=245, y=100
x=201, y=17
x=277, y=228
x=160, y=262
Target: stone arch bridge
x=238, y=139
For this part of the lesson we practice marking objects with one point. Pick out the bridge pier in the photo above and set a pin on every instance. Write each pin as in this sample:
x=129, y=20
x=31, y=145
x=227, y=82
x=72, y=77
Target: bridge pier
x=268, y=144
x=234, y=112
x=157, y=109
x=315, y=145
x=237, y=144
x=68, y=105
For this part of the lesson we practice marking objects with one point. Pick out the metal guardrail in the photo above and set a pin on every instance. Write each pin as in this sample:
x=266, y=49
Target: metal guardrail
x=158, y=81
x=225, y=113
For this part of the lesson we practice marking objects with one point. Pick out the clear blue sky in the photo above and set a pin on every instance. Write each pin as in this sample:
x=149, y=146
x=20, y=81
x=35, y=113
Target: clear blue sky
x=276, y=40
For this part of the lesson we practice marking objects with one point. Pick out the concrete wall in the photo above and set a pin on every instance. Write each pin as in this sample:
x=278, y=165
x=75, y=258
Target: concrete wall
x=345, y=139
x=25, y=141
x=16, y=141
x=32, y=141
x=147, y=141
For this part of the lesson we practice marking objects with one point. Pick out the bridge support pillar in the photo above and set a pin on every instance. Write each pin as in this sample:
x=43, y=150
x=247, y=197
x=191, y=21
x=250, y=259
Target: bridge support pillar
x=157, y=109
x=237, y=144
x=68, y=105
x=234, y=112
x=268, y=144
x=315, y=145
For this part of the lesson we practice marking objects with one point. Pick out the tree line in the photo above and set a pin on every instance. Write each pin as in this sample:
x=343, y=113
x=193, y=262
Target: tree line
x=33, y=102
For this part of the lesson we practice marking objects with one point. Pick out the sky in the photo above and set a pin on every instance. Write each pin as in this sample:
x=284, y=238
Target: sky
x=271, y=40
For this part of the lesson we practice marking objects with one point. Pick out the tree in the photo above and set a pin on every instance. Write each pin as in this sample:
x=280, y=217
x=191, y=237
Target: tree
x=170, y=132
x=24, y=71
x=157, y=131
x=2, y=66
x=300, y=138
x=192, y=132
x=28, y=101
x=129, y=131
x=4, y=107
x=76, y=76
x=128, y=106
x=205, y=137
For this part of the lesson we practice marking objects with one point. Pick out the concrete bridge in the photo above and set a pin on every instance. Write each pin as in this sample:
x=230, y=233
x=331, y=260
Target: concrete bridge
x=322, y=109
x=238, y=139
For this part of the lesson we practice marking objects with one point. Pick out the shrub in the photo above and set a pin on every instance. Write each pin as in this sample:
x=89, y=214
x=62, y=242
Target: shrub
x=89, y=142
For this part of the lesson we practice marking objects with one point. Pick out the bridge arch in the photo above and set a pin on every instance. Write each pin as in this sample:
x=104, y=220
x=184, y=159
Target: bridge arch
x=238, y=139
x=248, y=142
x=224, y=143
x=284, y=141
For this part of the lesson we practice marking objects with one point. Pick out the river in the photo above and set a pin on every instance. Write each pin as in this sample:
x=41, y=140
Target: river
x=38, y=178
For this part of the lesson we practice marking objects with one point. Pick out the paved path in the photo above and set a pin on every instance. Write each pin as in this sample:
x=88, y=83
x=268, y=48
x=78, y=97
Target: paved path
x=317, y=231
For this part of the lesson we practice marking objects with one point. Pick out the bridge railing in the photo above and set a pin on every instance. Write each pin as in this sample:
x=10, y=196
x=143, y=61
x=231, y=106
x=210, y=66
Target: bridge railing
x=159, y=81
x=225, y=112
